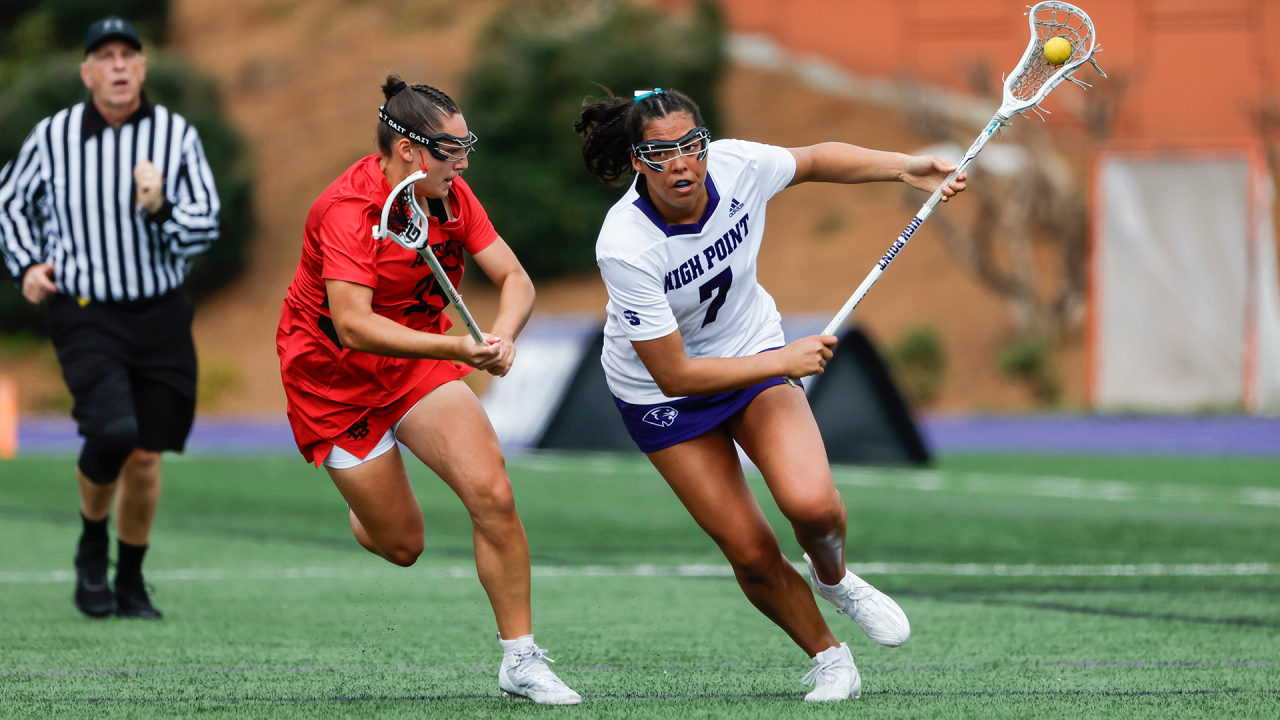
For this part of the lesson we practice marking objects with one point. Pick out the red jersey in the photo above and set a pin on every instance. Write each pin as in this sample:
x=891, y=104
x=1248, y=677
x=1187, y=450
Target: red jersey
x=328, y=384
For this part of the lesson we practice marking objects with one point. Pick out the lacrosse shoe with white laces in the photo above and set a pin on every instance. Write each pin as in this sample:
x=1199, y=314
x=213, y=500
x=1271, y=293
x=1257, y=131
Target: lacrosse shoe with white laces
x=834, y=676
x=876, y=613
x=524, y=673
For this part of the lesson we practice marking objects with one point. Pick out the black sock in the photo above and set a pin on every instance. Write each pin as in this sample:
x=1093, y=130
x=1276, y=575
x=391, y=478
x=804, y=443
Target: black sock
x=94, y=534
x=129, y=562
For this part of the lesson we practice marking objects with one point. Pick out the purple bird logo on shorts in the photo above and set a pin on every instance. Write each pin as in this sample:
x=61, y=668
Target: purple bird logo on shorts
x=661, y=416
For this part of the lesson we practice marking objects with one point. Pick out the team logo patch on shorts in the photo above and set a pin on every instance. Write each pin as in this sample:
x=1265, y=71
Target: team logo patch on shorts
x=661, y=416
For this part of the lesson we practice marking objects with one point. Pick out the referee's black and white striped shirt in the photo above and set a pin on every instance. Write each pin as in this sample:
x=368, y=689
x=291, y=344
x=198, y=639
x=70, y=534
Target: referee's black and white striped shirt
x=68, y=199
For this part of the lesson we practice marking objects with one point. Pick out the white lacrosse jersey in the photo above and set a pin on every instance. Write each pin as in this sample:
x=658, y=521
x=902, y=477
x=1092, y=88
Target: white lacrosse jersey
x=699, y=278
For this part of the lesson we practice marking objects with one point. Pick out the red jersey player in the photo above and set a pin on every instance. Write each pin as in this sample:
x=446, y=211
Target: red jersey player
x=365, y=363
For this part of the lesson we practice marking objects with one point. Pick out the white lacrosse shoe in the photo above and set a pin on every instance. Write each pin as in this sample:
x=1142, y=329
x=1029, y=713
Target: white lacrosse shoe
x=876, y=613
x=524, y=673
x=834, y=676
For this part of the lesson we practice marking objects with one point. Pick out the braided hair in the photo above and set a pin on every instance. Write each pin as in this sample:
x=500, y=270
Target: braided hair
x=612, y=126
x=423, y=110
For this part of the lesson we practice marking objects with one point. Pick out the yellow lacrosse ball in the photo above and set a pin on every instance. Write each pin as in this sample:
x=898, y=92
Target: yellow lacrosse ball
x=1058, y=50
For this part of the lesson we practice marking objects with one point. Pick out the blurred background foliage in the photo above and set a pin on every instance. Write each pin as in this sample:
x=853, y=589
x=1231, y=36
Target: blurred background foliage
x=540, y=60
x=41, y=47
x=919, y=360
x=34, y=27
x=1028, y=359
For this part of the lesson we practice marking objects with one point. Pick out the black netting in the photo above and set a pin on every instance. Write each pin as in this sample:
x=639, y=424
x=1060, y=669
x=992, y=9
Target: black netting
x=401, y=214
x=1052, y=20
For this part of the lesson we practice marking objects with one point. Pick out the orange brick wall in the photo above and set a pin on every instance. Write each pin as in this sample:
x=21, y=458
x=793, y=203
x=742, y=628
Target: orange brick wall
x=1185, y=70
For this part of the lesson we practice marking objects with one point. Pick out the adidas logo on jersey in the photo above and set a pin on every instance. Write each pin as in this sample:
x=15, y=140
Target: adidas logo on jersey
x=734, y=206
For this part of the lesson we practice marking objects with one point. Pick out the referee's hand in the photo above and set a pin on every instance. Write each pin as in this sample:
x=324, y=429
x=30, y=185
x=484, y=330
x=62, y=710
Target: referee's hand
x=150, y=184
x=37, y=283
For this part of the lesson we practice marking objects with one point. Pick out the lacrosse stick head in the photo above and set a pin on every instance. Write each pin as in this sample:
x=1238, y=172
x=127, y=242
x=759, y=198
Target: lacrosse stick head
x=1033, y=79
x=402, y=218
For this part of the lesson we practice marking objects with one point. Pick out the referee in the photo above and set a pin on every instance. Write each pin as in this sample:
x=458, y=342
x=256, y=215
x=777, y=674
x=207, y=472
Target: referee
x=100, y=214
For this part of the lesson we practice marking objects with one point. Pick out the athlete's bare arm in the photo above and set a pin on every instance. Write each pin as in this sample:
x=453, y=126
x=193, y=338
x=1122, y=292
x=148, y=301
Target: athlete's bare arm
x=360, y=328
x=515, y=301
x=679, y=375
x=849, y=164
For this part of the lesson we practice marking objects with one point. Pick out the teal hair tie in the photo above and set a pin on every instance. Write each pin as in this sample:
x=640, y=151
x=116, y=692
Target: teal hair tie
x=642, y=94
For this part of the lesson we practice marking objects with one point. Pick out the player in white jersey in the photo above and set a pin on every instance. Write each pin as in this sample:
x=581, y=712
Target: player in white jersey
x=695, y=356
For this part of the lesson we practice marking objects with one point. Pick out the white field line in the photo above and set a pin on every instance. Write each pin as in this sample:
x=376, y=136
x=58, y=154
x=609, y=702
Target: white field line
x=693, y=571
x=977, y=483
x=1058, y=487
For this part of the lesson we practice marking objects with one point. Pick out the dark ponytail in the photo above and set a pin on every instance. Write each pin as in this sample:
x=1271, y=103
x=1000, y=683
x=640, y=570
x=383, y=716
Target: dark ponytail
x=610, y=127
x=421, y=108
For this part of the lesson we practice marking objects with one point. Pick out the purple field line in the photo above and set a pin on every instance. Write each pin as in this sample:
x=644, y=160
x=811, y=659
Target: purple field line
x=1154, y=435
x=945, y=434
x=218, y=435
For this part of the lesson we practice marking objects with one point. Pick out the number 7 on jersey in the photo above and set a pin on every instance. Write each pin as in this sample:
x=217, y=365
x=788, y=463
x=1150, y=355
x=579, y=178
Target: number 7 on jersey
x=720, y=282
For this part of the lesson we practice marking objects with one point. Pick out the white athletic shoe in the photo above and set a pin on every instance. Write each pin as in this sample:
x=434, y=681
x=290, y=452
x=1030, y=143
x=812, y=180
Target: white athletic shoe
x=876, y=613
x=834, y=676
x=524, y=673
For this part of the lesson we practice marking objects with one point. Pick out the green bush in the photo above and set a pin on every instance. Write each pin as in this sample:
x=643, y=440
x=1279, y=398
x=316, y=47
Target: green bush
x=921, y=364
x=539, y=60
x=1028, y=359
x=51, y=83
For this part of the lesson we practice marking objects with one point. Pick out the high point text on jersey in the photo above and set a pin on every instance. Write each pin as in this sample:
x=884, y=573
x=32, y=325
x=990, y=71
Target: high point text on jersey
x=713, y=253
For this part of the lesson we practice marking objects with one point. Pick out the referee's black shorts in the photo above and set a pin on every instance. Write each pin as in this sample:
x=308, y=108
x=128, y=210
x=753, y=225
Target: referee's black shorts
x=135, y=358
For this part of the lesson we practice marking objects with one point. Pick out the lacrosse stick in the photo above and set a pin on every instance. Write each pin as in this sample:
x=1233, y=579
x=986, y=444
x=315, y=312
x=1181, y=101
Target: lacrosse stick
x=404, y=222
x=1028, y=85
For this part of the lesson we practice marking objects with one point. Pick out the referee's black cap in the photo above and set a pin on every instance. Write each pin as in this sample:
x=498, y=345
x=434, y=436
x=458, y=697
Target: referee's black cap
x=111, y=28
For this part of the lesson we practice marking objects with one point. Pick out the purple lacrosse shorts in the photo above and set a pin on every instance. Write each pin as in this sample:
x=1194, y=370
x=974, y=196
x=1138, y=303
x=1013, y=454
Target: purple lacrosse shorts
x=656, y=427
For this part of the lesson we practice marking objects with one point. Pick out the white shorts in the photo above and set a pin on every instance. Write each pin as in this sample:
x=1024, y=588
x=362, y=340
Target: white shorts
x=341, y=459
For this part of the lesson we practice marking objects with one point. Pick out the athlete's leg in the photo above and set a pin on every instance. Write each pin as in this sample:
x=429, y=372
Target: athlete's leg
x=779, y=434
x=707, y=477
x=362, y=536
x=385, y=515
x=449, y=431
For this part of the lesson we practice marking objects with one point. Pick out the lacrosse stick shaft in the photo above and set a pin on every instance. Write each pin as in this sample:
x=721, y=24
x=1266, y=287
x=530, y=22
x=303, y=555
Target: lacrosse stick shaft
x=925, y=211
x=418, y=242
x=454, y=298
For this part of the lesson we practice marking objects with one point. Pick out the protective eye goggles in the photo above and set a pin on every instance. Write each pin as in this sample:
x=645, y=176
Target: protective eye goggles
x=451, y=148
x=442, y=146
x=657, y=153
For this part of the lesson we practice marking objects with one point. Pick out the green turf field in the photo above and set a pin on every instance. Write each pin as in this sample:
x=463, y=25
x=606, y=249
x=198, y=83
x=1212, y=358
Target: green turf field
x=1036, y=587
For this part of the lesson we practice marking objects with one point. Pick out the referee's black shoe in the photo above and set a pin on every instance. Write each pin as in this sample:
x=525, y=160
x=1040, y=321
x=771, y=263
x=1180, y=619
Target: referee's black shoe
x=93, y=596
x=132, y=600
